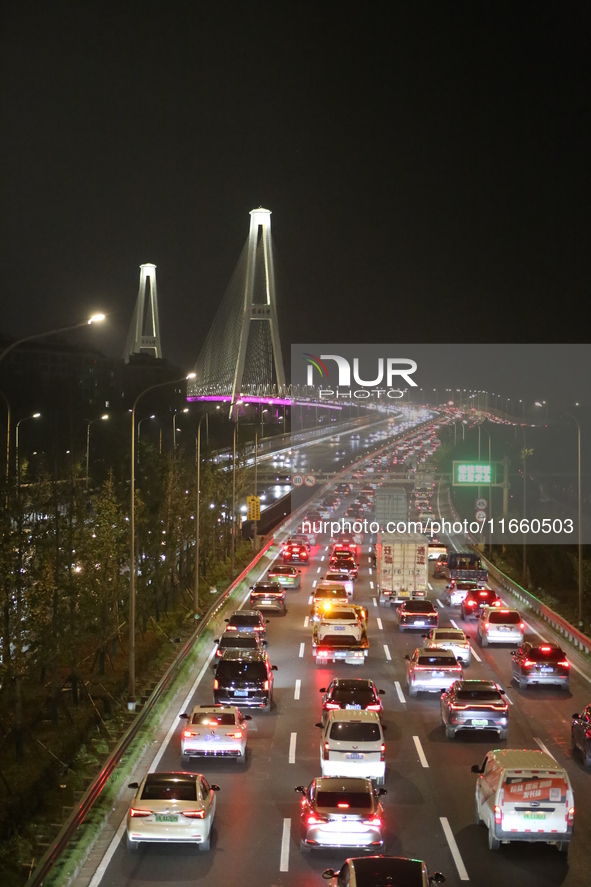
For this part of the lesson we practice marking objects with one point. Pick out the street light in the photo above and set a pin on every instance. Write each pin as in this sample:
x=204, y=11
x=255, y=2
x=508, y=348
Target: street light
x=131, y=692
x=174, y=415
x=574, y=418
x=96, y=318
x=18, y=474
x=263, y=420
x=90, y=422
x=139, y=424
x=197, y=537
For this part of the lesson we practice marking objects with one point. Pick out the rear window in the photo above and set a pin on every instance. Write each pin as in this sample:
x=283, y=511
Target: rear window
x=449, y=636
x=355, y=800
x=499, y=618
x=241, y=671
x=343, y=616
x=234, y=642
x=384, y=872
x=282, y=571
x=419, y=607
x=437, y=659
x=351, y=731
x=207, y=719
x=539, y=654
x=352, y=697
x=170, y=790
x=483, y=695
x=249, y=621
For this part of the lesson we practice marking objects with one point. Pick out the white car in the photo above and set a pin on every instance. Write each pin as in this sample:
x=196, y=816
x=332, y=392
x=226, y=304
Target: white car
x=171, y=808
x=431, y=671
x=457, y=591
x=500, y=625
x=352, y=745
x=339, y=621
x=343, y=578
x=214, y=731
x=453, y=639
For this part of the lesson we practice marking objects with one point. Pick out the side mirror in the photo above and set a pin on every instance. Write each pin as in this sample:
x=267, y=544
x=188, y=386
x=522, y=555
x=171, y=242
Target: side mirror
x=299, y=571
x=264, y=643
x=302, y=790
x=184, y=715
x=247, y=717
x=576, y=715
x=216, y=640
x=382, y=692
x=267, y=621
x=502, y=691
x=384, y=726
x=251, y=588
x=215, y=787
x=406, y=656
x=133, y=785
x=475, y=768
x=382, y=791
x=437, y=878
x=424, y=635
x=318, y=725
x=327, y=874
x=226, y=620
x=513, y=652
x=273, y=668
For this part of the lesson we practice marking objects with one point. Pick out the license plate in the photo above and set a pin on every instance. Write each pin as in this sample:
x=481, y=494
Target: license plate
x=479, y=722
x=437, y=674
x=240, y=692
x=162, y=818
x=266, y=601
x=214, y=738
x=354, y=707
x=547, y=669
x=354, y=756
x=419, y=622
x=533, y=815
x=339, y=627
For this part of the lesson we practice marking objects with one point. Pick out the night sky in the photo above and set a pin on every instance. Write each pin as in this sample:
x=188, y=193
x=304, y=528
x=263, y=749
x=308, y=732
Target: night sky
x=427, y=166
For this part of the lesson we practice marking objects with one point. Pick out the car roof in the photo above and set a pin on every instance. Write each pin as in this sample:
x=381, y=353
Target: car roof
x=428, y=651
x=231, y=655
x=475, y=684
x=524, y=759
x=352, y=683
x=264, y=584
x=247, y=613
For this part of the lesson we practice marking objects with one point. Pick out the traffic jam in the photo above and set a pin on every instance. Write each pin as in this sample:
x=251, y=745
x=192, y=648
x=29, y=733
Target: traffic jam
x=408, y=686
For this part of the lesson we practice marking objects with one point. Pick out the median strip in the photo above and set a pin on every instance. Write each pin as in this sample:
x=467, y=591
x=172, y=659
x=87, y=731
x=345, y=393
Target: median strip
x=454, y=849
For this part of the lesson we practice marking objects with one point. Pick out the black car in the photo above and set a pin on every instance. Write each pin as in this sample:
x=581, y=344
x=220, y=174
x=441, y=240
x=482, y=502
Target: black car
x=244, y=679
x=357, y=694
x=476, y=600
x=540, y=664
x=580, y=733
x=417, y=614
x=237, y=641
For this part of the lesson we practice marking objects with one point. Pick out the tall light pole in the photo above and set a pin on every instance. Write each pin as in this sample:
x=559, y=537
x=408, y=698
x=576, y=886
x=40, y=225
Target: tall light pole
x=197, y=537
x=233, y=515
x=96, y=318
x=263, y=421
x=5, y=399
x=139, y=424
x=131, y=692
x=174, y=415
x=18, y=471
x=576, y=421
x=90, y=422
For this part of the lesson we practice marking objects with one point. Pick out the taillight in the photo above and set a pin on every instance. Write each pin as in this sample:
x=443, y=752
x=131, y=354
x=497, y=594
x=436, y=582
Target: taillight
x=373, y=820
x=134, y=811
x=266, y=687
x=564, y=662
x=218, y=652
x=471, y=603
x=331, y=706
x=325, y=750
x=571, y=815
x=374, y=707
x=522, y=626
x=527, y=663
x=314, y=819
x=343, y=805
x=231, y=628
x=455, y=707
x=194, y=814
x=498, y=816
x=236, y=735
x=216, y=684
x=382, y=752
x=187, y=734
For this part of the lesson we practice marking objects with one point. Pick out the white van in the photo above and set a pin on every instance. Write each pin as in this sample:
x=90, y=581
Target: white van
x=524, y=795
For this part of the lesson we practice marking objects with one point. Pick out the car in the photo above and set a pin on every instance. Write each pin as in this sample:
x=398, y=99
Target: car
x=474, y=705
x=237, y=641
x=288, y=577
x=344, y=563
x=268, y=596
x=453, y=639
x=171, y=808
x=244, y=679
x=341, y=576
x=500, y=625
x=580, y=734
x=344, y=544
x=476, y=600
x=431, y=671
x=456, y=592
x=352, y=744
x=338, y=622
x=247, y=622
x=440, y=565
x=417, y=614
x=540, y=664
x=369, y=871
x=351, y=694
x=294, y=552
x=214, y=731
x=326, y=595
x=341, y=812
x=303, y=539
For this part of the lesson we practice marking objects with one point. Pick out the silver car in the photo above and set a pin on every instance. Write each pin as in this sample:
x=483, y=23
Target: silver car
x=475, y=705
x=170, y=808
x=431, y=671
x=453, y=639
x=368, y=871
x=341, y=812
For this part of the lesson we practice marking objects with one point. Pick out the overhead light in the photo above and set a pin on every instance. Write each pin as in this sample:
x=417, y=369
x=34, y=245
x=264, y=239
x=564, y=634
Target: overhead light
x=96, y=318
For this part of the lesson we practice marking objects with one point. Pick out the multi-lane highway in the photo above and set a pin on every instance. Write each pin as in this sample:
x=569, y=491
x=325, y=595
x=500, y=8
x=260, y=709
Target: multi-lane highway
x=430, y=801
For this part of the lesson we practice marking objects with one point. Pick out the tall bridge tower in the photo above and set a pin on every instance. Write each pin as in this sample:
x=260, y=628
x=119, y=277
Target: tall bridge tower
x=144, y=332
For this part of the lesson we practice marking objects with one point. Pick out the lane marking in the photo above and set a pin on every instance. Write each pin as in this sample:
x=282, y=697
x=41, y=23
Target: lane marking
x=298, y=687
x=322, y=558
x=326, y=549
x=319, y=569
x=508, y=698
x=375, y=603
x=379, y=621
x=369, y=560
x=454, y=849
x=371, y=585
x=302, y=648
x=578, y=670
x=370, y=571
x=285, y=839
x=531, y=628
x=420, y=752
x=369, y=549
x=430, y=586
x=475, y=654
x=104, y=863
x=387, y=652
x=543, y=747
x=455, y=625
x=306, y=621
x=311, y=598
x=292, y=747
x=439, y=603
x=399, y=691
x=314, y=584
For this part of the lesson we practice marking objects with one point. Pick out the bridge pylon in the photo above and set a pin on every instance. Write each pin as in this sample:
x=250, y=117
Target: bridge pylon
x=144, y=331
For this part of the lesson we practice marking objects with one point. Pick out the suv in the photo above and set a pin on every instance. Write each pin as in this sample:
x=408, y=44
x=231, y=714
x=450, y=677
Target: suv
x=244, y=679
x=540, y=664
x=237, y=641
x=352, y=744
x=499, y=625
x=267, y=596
x=351, y=694
x=417, y=614
x=248, y=622
x=476, y=600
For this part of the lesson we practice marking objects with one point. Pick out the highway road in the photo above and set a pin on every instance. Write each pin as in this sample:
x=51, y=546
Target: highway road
x=430, y=802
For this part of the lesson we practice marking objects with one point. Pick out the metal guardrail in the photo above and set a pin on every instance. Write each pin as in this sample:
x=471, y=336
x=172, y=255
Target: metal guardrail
x=93, y=792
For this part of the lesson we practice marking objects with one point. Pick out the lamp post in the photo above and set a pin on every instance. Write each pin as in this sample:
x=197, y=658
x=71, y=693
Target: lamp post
x=3, y=396
x=90, y=422
x=96, y=318
x=18, y=472
x=580, y=544
x=174, y=415
x=131, y=692
x=197, y=538
x=139, y=424
x=263, y=421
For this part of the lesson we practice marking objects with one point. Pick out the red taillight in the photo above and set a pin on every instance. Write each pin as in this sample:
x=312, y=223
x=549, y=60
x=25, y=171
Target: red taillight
x=266, y=687
x=236, y=735
x=134, y=811
x=343, y=805
x=471, y=603
x=314, y=819
x=564, y=662
x=258, y=628
x=194, y=814
x=527, y=663
x=546, y=649
x=188, y=734
x=498, y=816
x=216, y=684
x=571, y=815
x=522, y=626
x=218, y=652
x=374, y=707
x=325, y=750
x=231, y=628
x=331, y=706
x=374, y=820
x=382, y=752
x=455, y=707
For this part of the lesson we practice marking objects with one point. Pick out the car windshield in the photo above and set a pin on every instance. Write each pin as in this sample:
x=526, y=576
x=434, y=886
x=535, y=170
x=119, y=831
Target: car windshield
x=437, y=659
x=384, y=872
x=500, y=618
x=355, y=731
x=238, y=670
x=449, y=636
x=170, y=789
x=354, y=800
x=479, y=695
x=209, y=719
x=419, y=607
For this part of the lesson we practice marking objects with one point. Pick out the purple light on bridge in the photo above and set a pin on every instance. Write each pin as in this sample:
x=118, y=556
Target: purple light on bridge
x=247, y=398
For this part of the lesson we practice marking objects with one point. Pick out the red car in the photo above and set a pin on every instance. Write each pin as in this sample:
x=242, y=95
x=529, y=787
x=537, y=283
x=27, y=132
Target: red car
x=293, y=553
x=477, y=599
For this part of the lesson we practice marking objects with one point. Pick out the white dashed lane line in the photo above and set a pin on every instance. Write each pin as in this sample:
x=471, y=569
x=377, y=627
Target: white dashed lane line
x=430, y=586
x=285, y=838
x=298, y=687
x=379, y=621
x=319, y=569
x=322, y=558
x=375, y=603
x=311, y=598
x=454, y=849
x=370, y=571
x=387, y=652
x=292, y=747
x=302, y=648
x=476, y=656
x=306, y=621
x=371, y=585
x=420, y=752
x=399, y=692
x=543, y=747
x=314, y=584
x=439, y=604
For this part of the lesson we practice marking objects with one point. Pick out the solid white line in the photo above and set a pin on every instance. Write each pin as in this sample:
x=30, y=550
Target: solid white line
x=531, y=628
x=371, y=584
x=387, y=652
x=285, y=839
x=370, y=571
x=543, y=747
x=420, y=751
x=476, y=656
x=306, y=621
x=375, y=603
x=454, y=849
x=292, y=747
x=298, y=687
x=399, y=691
x=455, y=625
x=104, y=863
x=508, y=698
x=302, y=648
x=379, y=621
x=439, y=603
x=311, y=598
x=582, y=673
